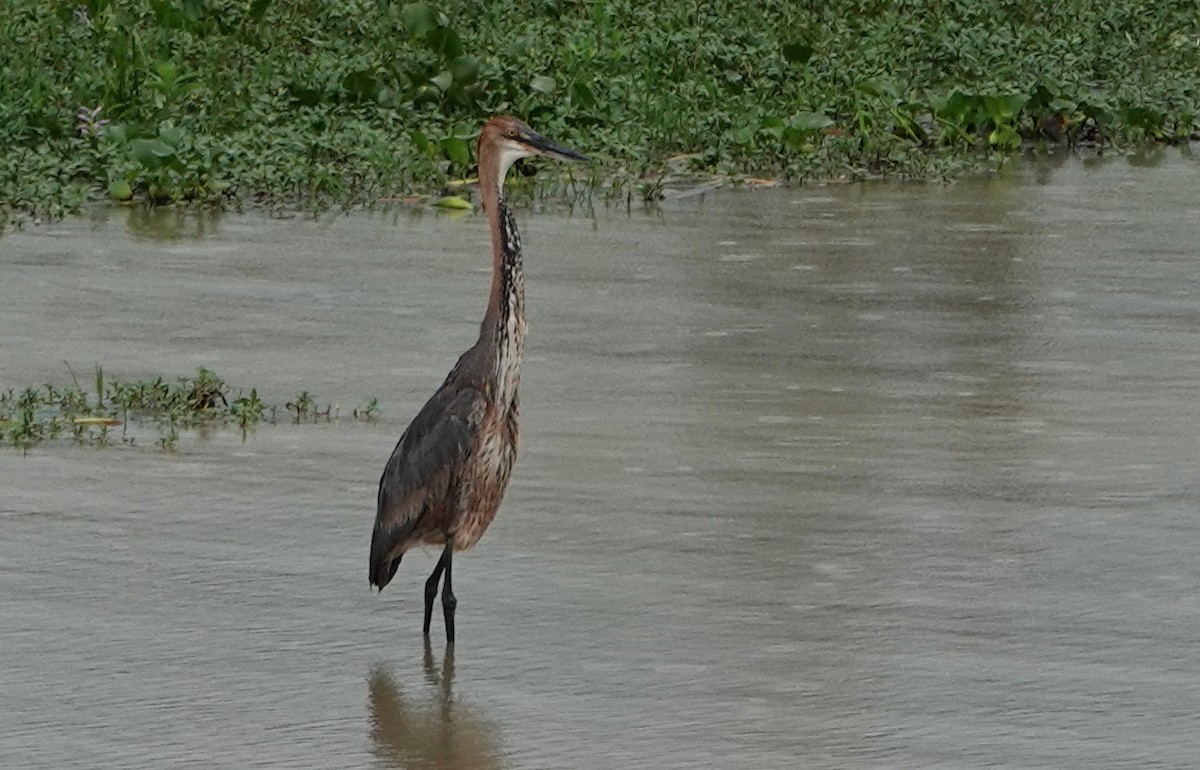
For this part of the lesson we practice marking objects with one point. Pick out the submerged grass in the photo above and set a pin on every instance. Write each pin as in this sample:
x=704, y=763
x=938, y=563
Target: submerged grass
x=311, y=103
x=92, y=418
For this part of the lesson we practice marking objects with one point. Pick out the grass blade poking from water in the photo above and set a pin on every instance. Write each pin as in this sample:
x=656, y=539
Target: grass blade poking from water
x=148, y=411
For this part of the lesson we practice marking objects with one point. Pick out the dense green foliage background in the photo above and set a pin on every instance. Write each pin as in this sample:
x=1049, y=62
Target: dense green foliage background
x=313, y=101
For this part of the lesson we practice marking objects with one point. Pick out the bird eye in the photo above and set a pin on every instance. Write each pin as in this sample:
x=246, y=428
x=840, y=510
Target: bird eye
x=512, y=133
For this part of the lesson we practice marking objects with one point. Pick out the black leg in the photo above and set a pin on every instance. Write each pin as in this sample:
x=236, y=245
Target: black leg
x=431, y=586
x=448, y=600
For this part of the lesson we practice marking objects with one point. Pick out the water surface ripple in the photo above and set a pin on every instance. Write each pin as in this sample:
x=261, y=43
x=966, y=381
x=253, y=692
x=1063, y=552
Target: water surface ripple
x=863, y=476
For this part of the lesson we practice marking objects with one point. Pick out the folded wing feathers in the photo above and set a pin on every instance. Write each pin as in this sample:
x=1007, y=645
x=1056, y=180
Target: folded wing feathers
x=420, y=472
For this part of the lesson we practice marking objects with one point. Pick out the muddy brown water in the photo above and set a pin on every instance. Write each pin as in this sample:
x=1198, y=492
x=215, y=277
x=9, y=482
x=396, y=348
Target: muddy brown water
x=852, y=476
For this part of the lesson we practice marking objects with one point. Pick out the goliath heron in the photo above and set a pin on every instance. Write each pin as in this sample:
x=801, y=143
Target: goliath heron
x=447, y=475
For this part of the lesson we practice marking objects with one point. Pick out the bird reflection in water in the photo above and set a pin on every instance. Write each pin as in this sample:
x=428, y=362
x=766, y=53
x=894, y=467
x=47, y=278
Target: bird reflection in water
x=423, y=733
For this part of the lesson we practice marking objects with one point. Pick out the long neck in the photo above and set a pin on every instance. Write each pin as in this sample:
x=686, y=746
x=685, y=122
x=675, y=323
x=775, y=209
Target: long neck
x=504, y=325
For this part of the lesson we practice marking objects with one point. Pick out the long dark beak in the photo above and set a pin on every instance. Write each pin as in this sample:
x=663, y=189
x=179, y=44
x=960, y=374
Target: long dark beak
x=554, y=150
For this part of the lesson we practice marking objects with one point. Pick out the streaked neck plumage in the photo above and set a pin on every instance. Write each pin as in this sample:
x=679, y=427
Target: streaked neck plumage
x=504, y=325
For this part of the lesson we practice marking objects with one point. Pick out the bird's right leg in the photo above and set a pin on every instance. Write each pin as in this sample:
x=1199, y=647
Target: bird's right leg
x=431, y=587
x=449, y=602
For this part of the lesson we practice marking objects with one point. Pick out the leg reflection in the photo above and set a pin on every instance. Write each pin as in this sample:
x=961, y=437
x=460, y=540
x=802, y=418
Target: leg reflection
x=425, y=727
x=441, y=679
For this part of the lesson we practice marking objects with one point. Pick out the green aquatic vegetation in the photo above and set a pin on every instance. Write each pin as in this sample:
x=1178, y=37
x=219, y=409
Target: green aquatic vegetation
x=369, y=412
x=155, y=409
x=308, y=104
x=304, y=408
x=247, y=410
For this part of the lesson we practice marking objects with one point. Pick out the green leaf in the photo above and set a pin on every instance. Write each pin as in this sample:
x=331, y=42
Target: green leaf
x=419, y=19
x=420, y=141
x=1142, y=118
x=956, y=107
x=452, y=202
x=581, y=96
x=445, y=43
x=303, y=95
x=796, y=137
x=167, y=70
x=150, y=152
x=543, y=83
x=797, y=53
x=465, y=70
x=1004, y=109
x=810, y=121
x=116, y=132
x=877, y=87
x=457, y=150
x=443, y=80
x=1005, y=137
x=172, y=137
x=775, y=132
x=361, y=84
x=120, y=190
x=258, y=9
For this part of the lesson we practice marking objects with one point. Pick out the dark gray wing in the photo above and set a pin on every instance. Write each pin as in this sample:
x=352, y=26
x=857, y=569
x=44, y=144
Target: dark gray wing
x=419, y=473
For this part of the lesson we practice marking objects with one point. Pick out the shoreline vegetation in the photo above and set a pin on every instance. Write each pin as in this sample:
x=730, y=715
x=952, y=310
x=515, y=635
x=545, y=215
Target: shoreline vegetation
x=313, y=104
x=137, y=413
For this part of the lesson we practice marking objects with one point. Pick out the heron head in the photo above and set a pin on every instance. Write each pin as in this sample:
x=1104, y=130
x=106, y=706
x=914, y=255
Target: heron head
x=512, y=139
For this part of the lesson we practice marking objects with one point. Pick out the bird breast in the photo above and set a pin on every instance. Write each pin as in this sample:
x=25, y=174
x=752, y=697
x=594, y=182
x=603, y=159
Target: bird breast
x=485, y=486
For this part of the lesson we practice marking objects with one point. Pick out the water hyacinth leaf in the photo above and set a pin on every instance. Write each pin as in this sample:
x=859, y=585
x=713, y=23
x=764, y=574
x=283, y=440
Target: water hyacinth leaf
x=419, y=19
x=445, y=42
x=167, y=71
x=443, y=80
x=120, y=190
x=452, y=202
x=456, y=149
x=258, y=9
x=543, y=84
x=116, y=133
x=1142, y=118
x=954, y=106
x=171, y=136
x=1005, y=137
x=465, y=70
x=810, y=121
x=1002, y=109
x=303, y=95
x=582, y=96
x=877, y=87
x=151, y=153
x=773, y=127
x=797, y=53
x=159, y=147
x=796, y=137
x=360, y=83
x=420, y=141
x=465, y=130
